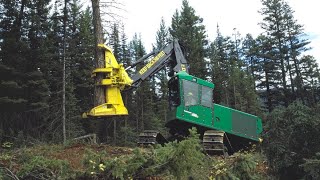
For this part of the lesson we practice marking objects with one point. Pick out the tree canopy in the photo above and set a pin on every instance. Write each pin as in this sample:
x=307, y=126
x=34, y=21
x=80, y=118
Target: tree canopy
x=271, y=75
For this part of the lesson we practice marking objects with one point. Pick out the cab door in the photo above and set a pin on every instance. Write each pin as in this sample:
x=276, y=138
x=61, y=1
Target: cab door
x=190, y=101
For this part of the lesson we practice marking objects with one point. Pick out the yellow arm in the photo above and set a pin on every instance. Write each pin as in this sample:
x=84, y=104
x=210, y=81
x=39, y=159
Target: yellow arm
x=115, y=80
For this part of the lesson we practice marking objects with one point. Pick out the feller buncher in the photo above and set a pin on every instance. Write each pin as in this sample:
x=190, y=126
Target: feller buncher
x=222, y=129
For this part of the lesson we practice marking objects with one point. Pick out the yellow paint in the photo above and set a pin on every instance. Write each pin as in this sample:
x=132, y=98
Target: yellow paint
x=115, y=79
x=183, y=67
x=151, y=63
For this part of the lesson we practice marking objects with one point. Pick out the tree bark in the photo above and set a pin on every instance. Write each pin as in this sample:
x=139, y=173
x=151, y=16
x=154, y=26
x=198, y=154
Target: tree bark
x=266, y=71
x=99, y=91
x=114, y=131
x=64, y=75
x=19, y=23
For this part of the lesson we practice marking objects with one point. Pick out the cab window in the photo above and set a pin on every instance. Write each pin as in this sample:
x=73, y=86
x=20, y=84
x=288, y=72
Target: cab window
x=206, y=96
x=190, y=93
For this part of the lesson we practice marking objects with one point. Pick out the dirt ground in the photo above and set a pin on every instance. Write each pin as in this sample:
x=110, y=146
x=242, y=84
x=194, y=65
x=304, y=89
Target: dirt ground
x=74, y=154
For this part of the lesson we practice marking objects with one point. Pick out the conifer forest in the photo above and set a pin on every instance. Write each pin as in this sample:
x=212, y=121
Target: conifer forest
x=47, y=55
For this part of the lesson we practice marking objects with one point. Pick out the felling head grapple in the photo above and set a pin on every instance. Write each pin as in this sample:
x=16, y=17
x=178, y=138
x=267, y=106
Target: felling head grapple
x=115, y=80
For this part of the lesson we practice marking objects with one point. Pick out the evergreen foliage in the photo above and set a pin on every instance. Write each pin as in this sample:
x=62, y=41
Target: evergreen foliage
x=271, y=72
x=312, y=167
x=31, y=54
x=178, y=160
x=244, y=165
x=187, y=27
x=161, y=86
x=234, y=84
x=39, y=167
x=291, y=135
x=288, y=42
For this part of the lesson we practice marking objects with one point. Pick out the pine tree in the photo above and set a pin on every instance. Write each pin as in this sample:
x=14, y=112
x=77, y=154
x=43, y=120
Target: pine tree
x=268, y=73
x=124, y=52
x=73, y=54
x=274, y=23
x=126, y=132
x=250, y=52
x=144, y=94
x=24, y=51
x=53, y=72
x=162, y=38
x=187, y=27
x=310, y=76
x=137, y=50
x=11, y=97
x=234, y=85
x=288, y=42
x=296, y=45
x=291, y=136
x=117, y=42
x=83, y=64
x=114, y=41
x=219, y=65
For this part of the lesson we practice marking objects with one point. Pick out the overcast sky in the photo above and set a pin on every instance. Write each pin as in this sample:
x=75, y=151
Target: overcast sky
x=143, y=17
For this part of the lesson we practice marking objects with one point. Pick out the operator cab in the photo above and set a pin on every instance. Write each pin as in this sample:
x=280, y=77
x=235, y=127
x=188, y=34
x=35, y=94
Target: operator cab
x=189, y=91
x=190, y=103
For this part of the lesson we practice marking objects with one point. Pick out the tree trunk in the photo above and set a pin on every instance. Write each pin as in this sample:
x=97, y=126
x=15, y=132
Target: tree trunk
x=298, y=72
x=283, y=73
x=64, y=75
x=266, y=70
x=126, y=120
x=99, y=96
x=114, y=131
x=19, y=23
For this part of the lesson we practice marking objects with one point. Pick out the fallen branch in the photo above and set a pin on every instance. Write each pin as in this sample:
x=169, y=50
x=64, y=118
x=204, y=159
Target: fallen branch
x=91, y=137
x=10, y=173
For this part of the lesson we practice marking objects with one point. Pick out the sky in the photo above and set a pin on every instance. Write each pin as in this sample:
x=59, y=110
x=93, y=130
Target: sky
x=143, y=17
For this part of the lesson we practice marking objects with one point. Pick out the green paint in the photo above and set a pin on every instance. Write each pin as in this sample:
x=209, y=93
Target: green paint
x=213, y=116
